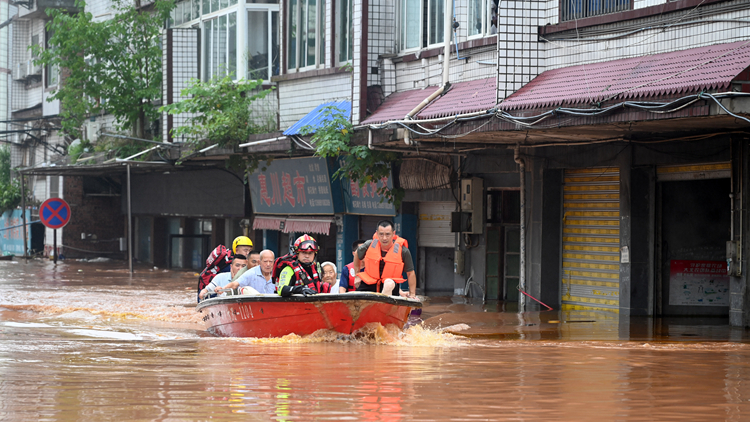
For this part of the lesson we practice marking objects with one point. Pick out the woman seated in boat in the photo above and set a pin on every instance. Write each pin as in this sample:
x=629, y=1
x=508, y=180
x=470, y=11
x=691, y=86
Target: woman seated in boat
x=330, y=275
x=300, y=273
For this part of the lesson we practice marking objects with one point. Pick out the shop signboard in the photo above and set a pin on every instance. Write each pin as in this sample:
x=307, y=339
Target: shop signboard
x=11, y=234
x=292, y=187
x=366, y=200
x=698, y=283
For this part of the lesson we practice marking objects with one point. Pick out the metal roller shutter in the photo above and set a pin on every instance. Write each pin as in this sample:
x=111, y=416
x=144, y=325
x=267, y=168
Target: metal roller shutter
x=591, y=240
x=694, y=172
x=435, y=225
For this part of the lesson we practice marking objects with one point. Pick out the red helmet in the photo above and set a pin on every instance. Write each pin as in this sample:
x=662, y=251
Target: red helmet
x=305, y=243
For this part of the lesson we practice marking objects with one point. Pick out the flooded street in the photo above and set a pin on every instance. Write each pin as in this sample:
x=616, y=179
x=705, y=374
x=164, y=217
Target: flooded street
x=84, y=341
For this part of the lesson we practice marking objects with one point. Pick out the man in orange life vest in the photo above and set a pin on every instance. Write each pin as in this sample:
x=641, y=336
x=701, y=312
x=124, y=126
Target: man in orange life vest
x=346, y=283
x=385, y=261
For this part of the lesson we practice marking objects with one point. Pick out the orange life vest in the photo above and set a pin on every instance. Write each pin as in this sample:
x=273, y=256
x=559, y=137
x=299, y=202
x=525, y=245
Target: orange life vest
x=394, y=265
x=400, y=240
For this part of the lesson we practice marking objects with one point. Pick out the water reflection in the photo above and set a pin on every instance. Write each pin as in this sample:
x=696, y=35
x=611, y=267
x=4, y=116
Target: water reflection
x=95, y=344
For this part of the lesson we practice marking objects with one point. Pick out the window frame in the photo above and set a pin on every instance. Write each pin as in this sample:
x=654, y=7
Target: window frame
x=269, y=10
x=301, y=36
x=212, y=10
x=439, y=22
x=402, y=24
x=348, y=34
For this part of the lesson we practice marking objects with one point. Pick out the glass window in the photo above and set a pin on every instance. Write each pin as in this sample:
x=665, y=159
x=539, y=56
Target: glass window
x=578, y=9
x=476, y=17
x=411, y=13
x=220, y=46
x=436, y=21
x=346, y=41
x=306, y=33
x=262, y=44
x=51, y=73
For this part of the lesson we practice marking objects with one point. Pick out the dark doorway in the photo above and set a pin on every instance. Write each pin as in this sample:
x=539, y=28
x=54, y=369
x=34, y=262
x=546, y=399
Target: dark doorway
x=695, y=225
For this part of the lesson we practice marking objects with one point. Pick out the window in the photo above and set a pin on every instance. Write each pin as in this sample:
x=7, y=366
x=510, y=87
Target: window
x=262, y=52
x=436, y=21
x=51, y=73
x=411, y=18
x=306, y=46
x=185, y=11
x=578, y=9
x=345, y=31
x=482, y=18
x=220, y=46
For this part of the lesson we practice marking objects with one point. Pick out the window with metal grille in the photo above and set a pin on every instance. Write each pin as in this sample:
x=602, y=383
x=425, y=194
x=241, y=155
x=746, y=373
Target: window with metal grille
x=579, y=9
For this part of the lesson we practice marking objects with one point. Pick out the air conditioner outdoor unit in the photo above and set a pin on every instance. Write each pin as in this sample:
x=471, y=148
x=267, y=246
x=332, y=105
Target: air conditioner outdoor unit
x=33, y=69
x=19, y=71
x=92, y=131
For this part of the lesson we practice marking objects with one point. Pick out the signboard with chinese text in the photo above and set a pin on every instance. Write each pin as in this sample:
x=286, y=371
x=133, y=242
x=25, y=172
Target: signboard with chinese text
x=698, y=283
x=11, y=234
x=293, y=186
x=365, y=200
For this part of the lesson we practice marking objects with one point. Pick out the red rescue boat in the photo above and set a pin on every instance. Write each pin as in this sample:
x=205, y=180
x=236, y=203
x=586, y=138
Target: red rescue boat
x=275, y=316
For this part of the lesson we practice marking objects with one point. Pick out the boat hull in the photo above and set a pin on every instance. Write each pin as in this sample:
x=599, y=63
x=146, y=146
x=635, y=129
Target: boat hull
x=275, y=316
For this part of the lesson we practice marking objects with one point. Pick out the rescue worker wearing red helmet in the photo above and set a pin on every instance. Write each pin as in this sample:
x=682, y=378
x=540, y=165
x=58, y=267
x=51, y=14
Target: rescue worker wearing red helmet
x=385, y=261
x=300, y=273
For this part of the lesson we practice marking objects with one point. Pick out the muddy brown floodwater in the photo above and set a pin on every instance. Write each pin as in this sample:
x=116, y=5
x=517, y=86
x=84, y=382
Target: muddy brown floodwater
x=85, y=341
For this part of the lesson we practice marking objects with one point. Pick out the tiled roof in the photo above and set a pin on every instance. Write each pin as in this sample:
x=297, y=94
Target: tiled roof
x=674, y=73
x=315, y=118
x=463, y=97
x=397, y=105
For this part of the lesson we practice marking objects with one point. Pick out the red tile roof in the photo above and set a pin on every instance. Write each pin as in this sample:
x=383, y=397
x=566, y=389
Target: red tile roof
x=397, y=105
x=463, y=97
x=674, y=73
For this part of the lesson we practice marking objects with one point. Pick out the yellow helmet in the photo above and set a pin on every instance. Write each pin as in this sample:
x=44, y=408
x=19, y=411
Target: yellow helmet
x=241, y=241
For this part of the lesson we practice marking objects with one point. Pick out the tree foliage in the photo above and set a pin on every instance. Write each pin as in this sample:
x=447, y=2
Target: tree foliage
x=359, y=163
x=10, y=190
x=111, y=66
x=220, y=111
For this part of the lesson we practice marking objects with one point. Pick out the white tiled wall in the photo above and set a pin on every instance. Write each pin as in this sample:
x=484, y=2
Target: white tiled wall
x=300, y=96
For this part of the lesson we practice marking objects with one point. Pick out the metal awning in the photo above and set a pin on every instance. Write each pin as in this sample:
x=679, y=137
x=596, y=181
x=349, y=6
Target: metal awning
x=711, y=68
x=317, y=117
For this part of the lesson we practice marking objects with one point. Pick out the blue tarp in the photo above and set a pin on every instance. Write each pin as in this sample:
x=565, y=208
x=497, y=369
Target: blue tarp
x=315, y=118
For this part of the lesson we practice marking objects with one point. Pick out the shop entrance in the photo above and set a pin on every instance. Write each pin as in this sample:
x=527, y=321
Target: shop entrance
x=693, y=219
x=503, y=245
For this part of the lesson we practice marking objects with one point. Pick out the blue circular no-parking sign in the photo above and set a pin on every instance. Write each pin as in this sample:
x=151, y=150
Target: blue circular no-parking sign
x=54, y=213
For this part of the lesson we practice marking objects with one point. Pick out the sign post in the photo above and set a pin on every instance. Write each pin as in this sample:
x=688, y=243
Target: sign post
x=55, y=214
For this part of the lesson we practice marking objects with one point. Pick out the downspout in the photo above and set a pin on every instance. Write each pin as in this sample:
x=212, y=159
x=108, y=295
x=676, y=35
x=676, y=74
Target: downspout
x=522, y=264
x=446, y=66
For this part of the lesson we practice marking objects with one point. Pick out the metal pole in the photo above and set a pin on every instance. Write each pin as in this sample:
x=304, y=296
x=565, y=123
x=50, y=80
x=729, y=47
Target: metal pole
x=522, y=263
x=23, y=219
x=130, y=227
x=448, y=31
x=54, y=245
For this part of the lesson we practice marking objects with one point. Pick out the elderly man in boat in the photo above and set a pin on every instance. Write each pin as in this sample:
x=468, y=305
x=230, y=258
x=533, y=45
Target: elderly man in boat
x=258, y=279
x=386, y=259
x=300, y=272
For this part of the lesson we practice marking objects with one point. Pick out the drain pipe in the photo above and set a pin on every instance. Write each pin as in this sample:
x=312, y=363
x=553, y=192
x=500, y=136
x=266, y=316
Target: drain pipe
x=446, y=65
x=522, y=270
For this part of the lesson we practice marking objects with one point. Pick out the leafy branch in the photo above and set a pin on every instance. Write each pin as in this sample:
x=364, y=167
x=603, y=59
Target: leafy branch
x=220, y=111
x=333, y=139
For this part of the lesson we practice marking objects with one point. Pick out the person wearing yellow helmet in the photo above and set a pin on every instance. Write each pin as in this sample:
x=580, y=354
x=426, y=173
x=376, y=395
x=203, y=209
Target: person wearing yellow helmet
x=242, y=245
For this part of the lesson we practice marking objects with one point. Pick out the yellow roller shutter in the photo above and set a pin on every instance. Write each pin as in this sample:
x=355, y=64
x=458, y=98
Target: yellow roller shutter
x=591, y=240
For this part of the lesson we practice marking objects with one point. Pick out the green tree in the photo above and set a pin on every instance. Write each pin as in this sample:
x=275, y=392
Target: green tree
x=221, y=111
x=333, y=139
x=111, y=66
x=10, y=190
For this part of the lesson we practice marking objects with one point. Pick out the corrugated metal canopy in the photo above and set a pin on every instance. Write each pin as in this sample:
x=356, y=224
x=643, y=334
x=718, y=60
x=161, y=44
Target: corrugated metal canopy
x=317, y=117
x=674, y=73
x=397, y=105
x=463, y=97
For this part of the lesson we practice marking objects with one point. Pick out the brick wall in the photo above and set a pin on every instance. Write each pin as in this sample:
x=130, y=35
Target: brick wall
x=93, y=215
